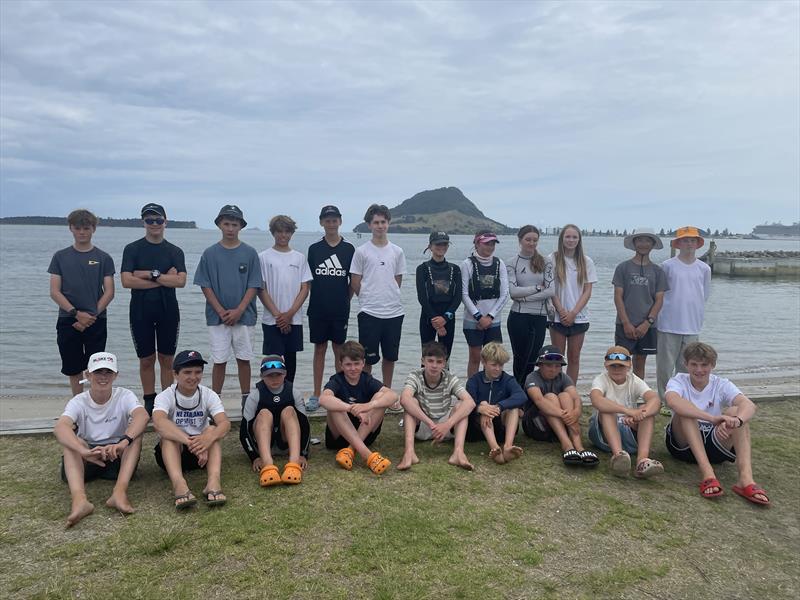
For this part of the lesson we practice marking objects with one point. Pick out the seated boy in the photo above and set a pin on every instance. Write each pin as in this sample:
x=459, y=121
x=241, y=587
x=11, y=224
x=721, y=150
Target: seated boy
x=190, y=421
x=711, y=424
x=430, y=414
x=618, y=424
x=356, y=403
x=497, y=396
x=554, y=410
x=100, y=431
x=274, y=418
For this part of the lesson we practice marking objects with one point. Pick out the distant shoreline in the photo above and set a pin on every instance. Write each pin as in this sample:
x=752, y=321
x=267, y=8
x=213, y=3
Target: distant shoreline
x=103, y=222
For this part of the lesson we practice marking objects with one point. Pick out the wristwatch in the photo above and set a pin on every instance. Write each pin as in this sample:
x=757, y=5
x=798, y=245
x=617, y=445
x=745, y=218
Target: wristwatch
x=651, y=320
x=155, y=274
x=127, y=437
x=73, y=312
x=449, y=316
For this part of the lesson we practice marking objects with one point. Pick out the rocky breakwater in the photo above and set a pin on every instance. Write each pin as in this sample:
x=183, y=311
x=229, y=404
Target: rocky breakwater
x=756, y=263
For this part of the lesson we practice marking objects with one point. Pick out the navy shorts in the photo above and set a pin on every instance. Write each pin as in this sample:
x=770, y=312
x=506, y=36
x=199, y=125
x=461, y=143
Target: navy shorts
x=535, y=425
x=337, y=443
x=152, y=328
x=279, y=343
x=475, y=433
x=188, y=460
x=643, y=346
x=374, y=332
x=92, y=471
x=277, y=437
x=76, y=346
x=322, y=330
x=716, y=452
x=480, y=337
x=575, y=329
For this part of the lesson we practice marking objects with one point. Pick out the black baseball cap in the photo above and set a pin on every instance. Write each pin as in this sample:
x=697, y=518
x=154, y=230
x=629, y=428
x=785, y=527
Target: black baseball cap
x=437, y=237
x=232, y=211
x=186, y=358
x=155, y=209
x=329, y=211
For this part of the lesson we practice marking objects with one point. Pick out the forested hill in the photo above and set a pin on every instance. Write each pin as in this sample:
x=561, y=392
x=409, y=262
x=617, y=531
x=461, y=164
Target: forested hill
x=445, y=209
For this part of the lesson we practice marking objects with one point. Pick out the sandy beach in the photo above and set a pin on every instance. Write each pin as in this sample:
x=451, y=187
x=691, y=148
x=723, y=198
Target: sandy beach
x=30, y=414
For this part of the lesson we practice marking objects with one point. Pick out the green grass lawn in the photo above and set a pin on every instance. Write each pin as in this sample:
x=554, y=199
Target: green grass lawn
x=529, y=529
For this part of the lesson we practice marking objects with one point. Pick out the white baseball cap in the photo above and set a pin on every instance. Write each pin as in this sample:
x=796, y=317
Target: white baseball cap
x=102, y=360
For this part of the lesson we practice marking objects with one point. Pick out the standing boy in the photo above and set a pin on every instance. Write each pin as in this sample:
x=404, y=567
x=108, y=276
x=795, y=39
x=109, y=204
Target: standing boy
x=274, y=419
x=498, y=397
x=431, y=413
x=152, y=268
x=639, y=288
x=554, y=411
x=329, y=304
x=711, y=424
x=82, y=285
x=286, y=275
x=619, y=425
x=191, y=422
x=356, y=403
x=375, y=276
x=100, y=431
x=229, y=274
x=681, y=317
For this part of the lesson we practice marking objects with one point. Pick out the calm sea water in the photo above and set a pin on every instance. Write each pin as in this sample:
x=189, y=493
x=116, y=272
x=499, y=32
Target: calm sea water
x=754, y=324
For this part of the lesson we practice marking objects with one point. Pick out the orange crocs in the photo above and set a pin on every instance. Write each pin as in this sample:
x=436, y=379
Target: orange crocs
x=378, y=463
x=345, y=457
x=292, y=473
x=270, y=476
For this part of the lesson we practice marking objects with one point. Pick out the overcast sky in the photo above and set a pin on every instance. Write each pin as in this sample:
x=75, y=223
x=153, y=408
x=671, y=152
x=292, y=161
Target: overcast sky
x=608, y=114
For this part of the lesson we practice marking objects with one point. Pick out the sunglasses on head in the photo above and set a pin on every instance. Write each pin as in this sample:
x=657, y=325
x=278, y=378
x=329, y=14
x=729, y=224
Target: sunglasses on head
x=552, y=357
x=156, y=221
x=273, y=364
x=617, y=356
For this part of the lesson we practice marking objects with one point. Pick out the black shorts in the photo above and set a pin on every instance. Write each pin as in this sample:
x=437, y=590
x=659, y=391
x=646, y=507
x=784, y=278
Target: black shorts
x=374, y=332
x=474, y=432
x=76, y=346
x=535, y=425
x=279, y=343
x=91, y=471
x=643, y=346
x=480, y=337
x=576, y=329
x=337, y=443
x=715, y=451
x=322, y=330
x=188, y=460
x=154, y=328
x=277, y=437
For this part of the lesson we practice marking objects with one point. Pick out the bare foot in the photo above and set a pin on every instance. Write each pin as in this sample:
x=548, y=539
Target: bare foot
x=512, y=453
x=496, y=454
x=121, y=503
x=460, y=460
x=407, y=461
x=80, y=510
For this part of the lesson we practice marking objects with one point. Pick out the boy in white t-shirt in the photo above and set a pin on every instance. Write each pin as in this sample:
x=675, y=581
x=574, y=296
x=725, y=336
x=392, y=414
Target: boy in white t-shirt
x=681, y=317
x=100, y=431
x=191, y=421
x=711, y=424
x=619, y=425
x=430, y=413
x=286, y=275
x=376, y=275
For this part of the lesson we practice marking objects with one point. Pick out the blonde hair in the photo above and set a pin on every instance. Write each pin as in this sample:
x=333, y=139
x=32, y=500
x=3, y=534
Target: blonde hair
x=580, y=259
x=282, y=223
x=495, y=352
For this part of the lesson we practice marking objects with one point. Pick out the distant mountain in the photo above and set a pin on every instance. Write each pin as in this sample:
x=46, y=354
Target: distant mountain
x=102, y=222
x=445, y=209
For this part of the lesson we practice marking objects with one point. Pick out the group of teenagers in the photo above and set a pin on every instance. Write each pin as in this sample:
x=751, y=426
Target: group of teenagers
x=101, y=428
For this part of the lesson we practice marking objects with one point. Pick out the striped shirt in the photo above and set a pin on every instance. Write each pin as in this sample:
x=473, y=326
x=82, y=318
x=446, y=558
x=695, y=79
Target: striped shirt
x=434, y=401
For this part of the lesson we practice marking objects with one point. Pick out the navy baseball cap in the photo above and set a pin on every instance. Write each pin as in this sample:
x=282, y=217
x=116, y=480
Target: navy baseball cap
x=186, y=358
x=155, y=209
x=329, y=211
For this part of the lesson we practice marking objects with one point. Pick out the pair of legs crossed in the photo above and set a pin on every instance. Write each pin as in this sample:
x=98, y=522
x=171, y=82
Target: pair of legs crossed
x=76, y=472
x=175, y=458
x=344, y=430
x=505, y=427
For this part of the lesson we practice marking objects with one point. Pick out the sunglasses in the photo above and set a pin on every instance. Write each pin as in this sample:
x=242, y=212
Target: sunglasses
x=617, y=356
x=272, y=364
x=552, y=357
x=158, y=221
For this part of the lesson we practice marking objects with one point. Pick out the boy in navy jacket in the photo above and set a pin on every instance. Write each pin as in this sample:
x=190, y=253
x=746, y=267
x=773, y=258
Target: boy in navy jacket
x=497, y=397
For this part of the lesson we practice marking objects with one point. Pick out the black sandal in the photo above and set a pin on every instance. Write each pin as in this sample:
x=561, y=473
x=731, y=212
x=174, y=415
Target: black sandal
x=589, y=459
x=571, y=457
